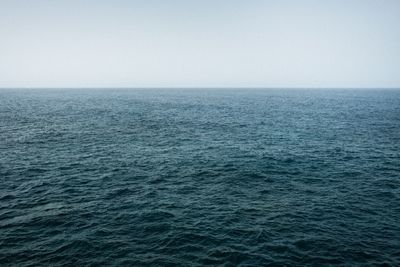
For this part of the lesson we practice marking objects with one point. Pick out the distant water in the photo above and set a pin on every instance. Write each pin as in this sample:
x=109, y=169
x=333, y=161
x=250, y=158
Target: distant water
x=199, y=177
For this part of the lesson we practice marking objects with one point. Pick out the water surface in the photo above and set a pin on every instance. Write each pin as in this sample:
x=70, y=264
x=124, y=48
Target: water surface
x=199, y=177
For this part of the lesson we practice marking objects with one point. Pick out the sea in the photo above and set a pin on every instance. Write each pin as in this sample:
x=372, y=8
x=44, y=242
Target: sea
x=199, y=177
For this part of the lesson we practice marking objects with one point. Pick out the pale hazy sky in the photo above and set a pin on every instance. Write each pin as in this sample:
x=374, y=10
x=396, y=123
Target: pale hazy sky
x=203, y=43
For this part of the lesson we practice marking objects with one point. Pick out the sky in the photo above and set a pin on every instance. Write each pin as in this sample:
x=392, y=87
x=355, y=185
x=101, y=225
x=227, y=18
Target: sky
x=204, y=43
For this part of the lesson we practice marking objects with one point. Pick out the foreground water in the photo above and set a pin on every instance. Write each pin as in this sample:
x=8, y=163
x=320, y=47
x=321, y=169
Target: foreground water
x=199, y=177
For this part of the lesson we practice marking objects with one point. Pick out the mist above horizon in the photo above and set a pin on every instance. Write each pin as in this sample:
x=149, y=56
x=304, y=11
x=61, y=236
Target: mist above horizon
x=207, y=43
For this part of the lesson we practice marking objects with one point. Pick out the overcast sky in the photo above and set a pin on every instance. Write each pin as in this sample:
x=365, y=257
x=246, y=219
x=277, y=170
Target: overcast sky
x=203, y=43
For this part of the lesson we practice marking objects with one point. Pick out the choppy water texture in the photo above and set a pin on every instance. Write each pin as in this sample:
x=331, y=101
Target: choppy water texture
x=199, y=177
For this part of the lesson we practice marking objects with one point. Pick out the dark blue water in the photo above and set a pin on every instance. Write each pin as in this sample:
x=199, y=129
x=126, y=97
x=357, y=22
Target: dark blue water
x=199, y=177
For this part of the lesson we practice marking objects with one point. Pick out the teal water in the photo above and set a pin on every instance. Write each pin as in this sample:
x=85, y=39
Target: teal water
x=199, y=177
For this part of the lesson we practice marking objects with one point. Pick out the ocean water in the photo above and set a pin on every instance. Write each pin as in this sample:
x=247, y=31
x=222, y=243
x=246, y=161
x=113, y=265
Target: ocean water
x=199, y=177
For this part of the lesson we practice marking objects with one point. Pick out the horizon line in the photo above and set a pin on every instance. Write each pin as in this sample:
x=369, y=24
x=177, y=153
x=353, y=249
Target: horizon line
x=198, y=87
